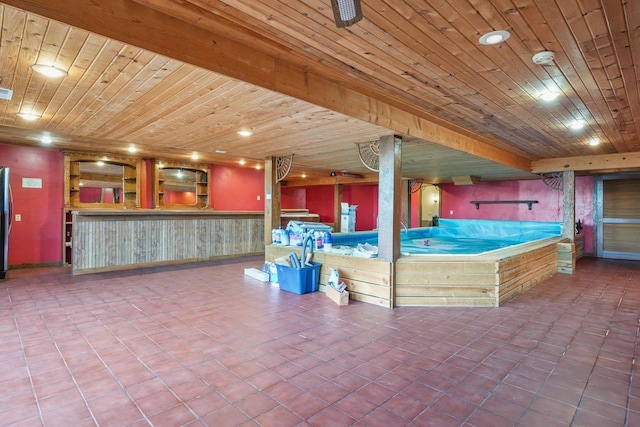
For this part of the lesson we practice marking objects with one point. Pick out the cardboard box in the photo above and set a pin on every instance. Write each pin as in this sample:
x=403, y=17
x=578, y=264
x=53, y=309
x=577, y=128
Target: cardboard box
x=347, y=218
x=340, y=298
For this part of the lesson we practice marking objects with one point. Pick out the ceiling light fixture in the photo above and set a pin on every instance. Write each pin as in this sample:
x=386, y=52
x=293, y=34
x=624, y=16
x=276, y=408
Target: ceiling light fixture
x=245, y=132
x=577, y=124
x=132, y=149
x=28, y=116
x=594, y=141
x=242, y=162
x=543, y=58
x=100, y=163
x=195, y=156
x=221, y=151
x=494, y=37
x=346, y=12
x=49, y=71
x=549, y=95
x=46, y=140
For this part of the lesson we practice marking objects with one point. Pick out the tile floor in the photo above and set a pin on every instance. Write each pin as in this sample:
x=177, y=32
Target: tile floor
x=204, y=345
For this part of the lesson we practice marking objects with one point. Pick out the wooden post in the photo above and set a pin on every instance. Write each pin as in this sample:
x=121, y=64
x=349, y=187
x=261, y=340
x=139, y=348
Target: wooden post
x=389, y=194
x=272, y=198
x=337, y=199
x=568, y=205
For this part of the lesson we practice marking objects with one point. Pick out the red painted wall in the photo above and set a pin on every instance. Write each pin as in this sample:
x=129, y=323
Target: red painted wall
x=90, y=195
x=415, y=209
x=455, y=202
x=180, y=197
x=38, y=237
x=236, y=189
x=320, y=201
x=293, y=198
x=366, y=198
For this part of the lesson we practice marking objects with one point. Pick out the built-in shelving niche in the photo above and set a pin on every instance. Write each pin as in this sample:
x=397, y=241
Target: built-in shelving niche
x=181, y=186
x=104, y=182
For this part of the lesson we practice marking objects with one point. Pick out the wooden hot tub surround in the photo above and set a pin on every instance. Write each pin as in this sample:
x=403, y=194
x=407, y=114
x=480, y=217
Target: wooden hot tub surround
x=484, y=280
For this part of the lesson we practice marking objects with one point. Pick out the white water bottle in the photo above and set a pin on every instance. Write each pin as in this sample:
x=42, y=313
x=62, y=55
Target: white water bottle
x=284, y=237
x=327, y=241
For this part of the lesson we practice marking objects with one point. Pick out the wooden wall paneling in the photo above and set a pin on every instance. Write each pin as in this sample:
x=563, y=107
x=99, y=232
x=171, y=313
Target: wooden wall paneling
x=115, y=241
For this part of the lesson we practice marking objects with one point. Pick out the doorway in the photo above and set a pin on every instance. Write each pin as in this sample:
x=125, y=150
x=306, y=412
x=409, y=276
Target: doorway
x=430, y=204
x=617, y=209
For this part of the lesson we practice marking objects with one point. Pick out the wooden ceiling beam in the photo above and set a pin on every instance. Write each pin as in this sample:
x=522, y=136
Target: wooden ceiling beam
x=141, y=26
x=602, y=163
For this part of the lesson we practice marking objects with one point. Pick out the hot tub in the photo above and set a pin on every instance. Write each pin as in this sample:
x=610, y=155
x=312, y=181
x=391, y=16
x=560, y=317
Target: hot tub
x=455, y=237
x=486, y=277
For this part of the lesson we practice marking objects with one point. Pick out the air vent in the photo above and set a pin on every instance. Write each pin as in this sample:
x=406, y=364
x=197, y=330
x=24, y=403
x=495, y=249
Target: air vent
x=6, y=94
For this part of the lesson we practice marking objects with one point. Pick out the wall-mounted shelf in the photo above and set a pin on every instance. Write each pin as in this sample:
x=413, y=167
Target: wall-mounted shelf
x=529, y=203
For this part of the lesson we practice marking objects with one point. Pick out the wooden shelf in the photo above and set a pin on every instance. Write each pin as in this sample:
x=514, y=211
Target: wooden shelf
x=529, y=203
x=166, y=185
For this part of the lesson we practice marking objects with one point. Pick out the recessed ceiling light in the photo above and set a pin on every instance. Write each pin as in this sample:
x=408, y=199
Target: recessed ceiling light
x=49, y=71
x=221, y=151
x=304, y=175
x=549, y=95
x=577, y=125
x=132, y=149
x=195, y=156
x=242, y=162
x=594, y=141
x=245, y=132
x=100, y=163
x=494, y=37
x=258, y=167
x=28, y=116
x=46, y=139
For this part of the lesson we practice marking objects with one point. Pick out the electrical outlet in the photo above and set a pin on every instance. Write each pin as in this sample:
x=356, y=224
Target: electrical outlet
x=18, y=217
x=258, y=198
x=451, y=212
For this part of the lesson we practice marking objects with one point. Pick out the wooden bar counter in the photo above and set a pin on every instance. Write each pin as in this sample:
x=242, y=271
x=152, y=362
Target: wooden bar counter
x=106, y=240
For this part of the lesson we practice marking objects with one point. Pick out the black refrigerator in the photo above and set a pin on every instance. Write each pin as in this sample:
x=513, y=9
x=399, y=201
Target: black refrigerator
x=5, y=220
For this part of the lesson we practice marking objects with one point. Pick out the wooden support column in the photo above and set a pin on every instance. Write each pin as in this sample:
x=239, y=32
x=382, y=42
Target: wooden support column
x=568, y=204
x=272, y=198
x=337, y=199
x=567, y=251
x=389, y=194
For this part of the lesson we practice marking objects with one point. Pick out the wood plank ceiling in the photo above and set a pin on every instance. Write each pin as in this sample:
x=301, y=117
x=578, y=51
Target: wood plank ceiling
x=173, y=78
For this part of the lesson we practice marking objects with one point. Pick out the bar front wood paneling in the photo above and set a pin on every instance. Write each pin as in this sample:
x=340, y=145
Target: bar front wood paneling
x=117, y=240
